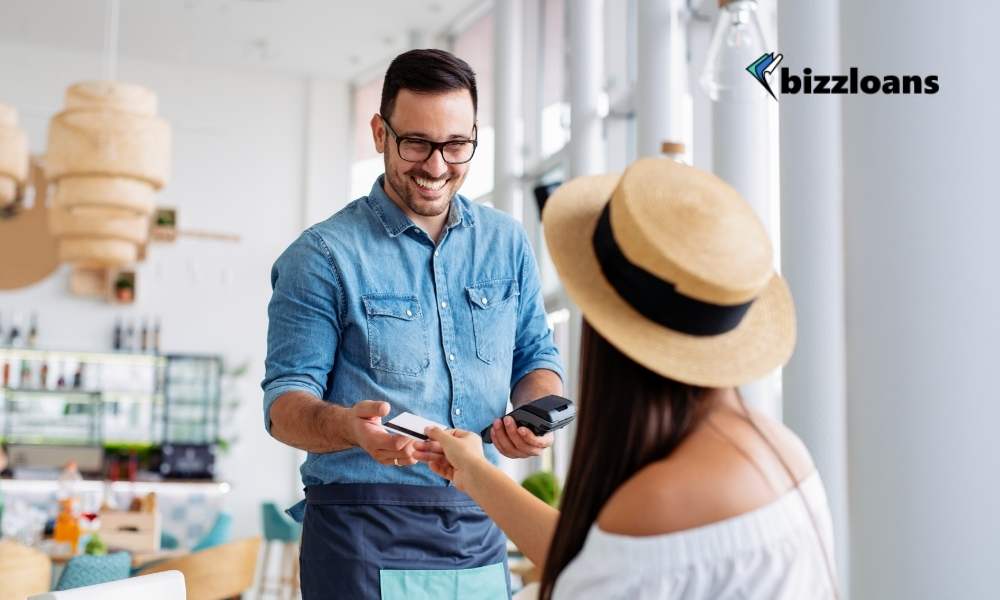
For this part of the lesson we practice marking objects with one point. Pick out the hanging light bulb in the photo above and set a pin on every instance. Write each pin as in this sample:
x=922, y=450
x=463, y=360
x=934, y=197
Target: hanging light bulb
x=737, y=41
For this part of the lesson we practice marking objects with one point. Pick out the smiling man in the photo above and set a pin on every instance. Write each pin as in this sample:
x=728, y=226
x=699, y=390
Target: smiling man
x=410, y=299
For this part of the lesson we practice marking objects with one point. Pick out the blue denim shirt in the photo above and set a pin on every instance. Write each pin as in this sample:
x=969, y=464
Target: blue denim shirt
x=365, y=307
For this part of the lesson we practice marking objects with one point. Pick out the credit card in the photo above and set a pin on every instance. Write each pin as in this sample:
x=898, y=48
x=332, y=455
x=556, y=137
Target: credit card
x=410, y=425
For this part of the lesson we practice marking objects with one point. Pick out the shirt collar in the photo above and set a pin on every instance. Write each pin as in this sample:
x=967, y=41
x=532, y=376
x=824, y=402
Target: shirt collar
x=396, y=222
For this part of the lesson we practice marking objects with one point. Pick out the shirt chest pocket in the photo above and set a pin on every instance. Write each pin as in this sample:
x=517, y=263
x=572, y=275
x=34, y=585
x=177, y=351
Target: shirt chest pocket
x=494, y=318
x=397, y=339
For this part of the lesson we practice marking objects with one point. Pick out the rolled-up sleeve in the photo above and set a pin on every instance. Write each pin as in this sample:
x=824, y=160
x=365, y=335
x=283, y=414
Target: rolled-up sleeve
x=534, y=347
x=303, y=329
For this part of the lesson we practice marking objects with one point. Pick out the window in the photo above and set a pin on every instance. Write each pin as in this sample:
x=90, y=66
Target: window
x=555, y=106
x=475, y=46
x=366, y=163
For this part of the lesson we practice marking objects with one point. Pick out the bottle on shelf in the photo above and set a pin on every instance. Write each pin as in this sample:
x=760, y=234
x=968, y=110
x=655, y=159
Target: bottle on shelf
x=43, y=375
x=67, y=527
x=33, y=331
x=78, y=377
x=133, y=465
x=156, y=336
x=144, y=336
x=117, y=341
x=14, y=335
x=129, y=342
x=24, y=381
x=61, y=380
x=673, y=150
x=69, y=480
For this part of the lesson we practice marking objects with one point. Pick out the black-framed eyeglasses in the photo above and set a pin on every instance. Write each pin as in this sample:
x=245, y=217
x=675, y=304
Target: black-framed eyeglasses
x=416, y=150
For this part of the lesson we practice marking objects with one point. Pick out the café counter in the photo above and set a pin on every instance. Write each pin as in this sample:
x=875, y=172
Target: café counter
x=188, y=508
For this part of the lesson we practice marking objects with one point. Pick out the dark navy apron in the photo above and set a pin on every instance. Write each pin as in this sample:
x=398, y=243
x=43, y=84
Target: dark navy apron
x=400, y=542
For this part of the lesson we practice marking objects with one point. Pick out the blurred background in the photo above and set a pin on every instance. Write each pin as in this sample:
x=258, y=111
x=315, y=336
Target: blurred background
x=132, y=339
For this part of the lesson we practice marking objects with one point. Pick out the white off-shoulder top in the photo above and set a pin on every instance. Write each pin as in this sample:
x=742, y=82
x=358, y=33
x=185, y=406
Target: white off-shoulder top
x=770, y=553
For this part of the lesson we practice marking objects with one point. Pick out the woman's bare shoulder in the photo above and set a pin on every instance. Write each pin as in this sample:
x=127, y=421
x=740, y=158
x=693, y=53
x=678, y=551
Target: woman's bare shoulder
x=719, y=472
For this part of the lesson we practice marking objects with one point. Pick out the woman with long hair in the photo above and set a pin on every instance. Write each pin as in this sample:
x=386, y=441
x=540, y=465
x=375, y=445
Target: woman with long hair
x=676, y=488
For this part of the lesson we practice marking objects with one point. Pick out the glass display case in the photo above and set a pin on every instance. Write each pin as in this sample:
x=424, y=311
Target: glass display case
x=192, y=399
x=51, y=396
x=128, y=404
x=66, y=417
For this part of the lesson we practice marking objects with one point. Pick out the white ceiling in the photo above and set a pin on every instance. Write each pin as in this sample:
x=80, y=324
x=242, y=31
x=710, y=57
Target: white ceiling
x=332, y=38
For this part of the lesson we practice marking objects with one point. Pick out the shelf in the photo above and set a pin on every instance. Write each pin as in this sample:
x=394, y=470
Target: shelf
x=39, y=440
x=181, y=402
x=211, y=488
x=107, y=396
x=49, y=392
x=153, y=360
x=174, y=422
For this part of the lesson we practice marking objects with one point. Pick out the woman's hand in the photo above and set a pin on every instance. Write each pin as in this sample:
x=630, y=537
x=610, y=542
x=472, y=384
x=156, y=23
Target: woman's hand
x=461, y=455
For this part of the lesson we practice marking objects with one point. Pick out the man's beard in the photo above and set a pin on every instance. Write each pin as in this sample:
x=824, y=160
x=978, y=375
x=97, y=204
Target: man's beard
x=421, y=207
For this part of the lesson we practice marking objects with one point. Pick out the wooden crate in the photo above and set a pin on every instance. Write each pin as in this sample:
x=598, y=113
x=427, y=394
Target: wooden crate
x=132, y=531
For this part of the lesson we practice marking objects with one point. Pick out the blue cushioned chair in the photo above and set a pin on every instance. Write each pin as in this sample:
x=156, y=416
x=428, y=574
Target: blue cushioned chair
x=87, y=570
x=282, y=529
x=168, y=542
x=278, y=526
x=219, y=533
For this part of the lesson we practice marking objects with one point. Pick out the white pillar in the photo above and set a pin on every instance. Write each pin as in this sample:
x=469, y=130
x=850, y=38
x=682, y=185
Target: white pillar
x=586, y=147
x=743, y=130
x=506, y=106
x=663, y=97
x=812, y=259
x=740, y=134
x=620, y=70
x=531, y=114
x=586, y=59
x=652, y=86
x=923, y=302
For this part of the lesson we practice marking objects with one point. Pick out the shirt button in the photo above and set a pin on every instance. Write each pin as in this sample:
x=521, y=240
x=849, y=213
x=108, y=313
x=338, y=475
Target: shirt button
x=458, y=411
x=409, y=313
x=444, y=305
x=486, y=301
x=451, y=357
x=435, y=253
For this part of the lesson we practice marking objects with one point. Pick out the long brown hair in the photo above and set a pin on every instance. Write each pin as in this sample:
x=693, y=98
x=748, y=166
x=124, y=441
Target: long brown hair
x=629, y=417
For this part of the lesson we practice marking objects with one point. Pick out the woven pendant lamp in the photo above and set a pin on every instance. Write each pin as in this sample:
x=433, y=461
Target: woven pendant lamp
x=13, y=156
x=108, y=154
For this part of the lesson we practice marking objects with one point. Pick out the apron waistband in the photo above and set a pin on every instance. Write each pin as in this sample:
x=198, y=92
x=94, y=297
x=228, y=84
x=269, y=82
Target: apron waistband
x=389, y=494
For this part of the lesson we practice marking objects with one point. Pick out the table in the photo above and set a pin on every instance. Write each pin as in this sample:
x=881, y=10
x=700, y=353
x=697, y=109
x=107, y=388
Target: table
x=138, y=558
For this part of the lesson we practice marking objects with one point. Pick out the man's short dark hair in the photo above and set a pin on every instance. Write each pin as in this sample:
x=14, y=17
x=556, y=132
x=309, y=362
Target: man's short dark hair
x=426, y=71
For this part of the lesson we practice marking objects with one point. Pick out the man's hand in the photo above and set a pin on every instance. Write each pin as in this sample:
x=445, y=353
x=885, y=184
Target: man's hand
x=518, y=442
x=365, y=426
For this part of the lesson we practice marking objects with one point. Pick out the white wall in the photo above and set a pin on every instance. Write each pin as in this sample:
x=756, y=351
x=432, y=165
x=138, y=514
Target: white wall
x=812, y=235
x=239, y=165
x=923, y=318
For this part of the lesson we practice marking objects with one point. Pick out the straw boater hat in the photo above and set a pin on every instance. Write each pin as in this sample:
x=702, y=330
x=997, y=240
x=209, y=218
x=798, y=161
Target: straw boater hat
x=671, y=266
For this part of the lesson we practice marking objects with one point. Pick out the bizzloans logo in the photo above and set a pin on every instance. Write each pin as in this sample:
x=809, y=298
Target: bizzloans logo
x=852, y=83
